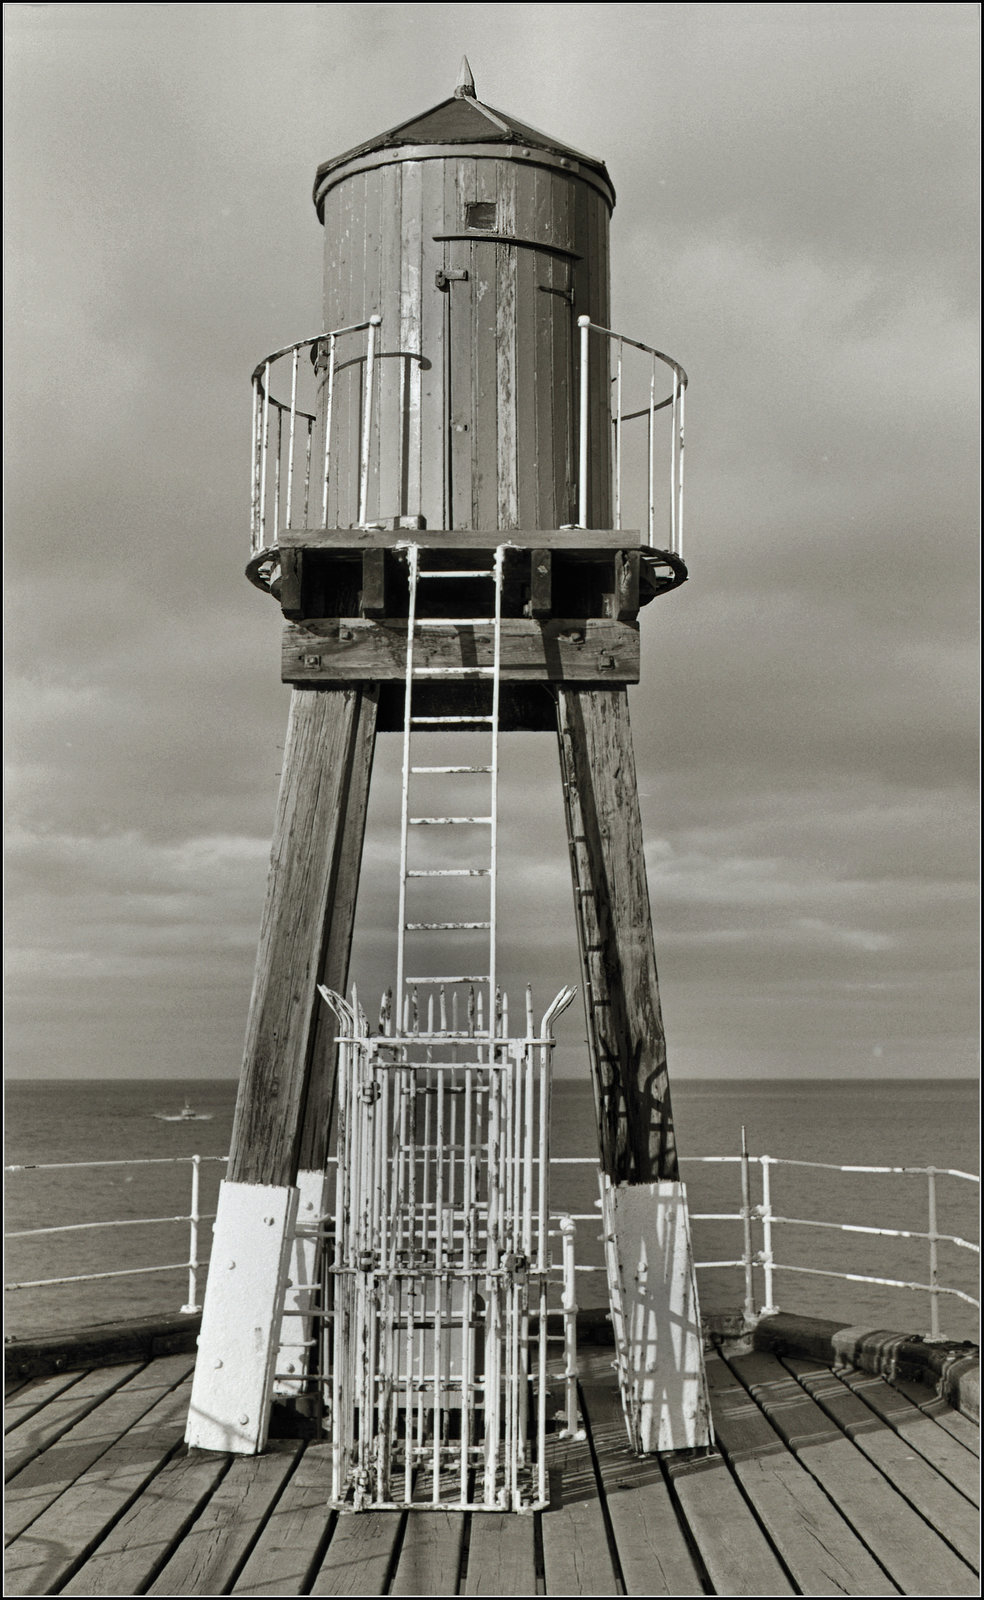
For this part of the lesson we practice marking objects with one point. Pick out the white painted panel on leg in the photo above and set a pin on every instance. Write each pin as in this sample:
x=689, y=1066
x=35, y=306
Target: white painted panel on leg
x=303, y=1287
x=655, y=1312
x=237, y=1347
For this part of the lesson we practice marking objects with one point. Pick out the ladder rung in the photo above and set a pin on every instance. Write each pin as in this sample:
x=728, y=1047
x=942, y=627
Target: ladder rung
x=450, y=769
x=451, y=672
x=465, y=572
x=421, y=722
x=450, y=822
x=455, y=622
x=450, y=872
x=435, y=927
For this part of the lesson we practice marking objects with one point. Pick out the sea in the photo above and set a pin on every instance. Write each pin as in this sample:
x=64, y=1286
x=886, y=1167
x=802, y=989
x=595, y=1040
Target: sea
x=892, y=1123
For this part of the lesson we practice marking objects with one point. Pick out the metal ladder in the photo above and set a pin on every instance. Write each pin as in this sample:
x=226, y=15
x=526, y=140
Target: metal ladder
x=482, y=984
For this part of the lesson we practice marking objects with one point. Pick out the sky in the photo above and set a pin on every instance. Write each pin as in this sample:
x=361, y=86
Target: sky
x=797, y=223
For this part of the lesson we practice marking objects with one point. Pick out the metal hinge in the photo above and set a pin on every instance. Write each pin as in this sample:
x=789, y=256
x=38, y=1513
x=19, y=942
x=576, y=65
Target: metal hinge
x=453, y=275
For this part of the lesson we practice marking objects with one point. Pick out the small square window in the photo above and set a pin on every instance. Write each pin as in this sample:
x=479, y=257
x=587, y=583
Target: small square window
x=480, y=214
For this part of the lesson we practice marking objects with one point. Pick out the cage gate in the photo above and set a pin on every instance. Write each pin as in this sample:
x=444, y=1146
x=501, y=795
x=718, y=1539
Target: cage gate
x=439, y=1283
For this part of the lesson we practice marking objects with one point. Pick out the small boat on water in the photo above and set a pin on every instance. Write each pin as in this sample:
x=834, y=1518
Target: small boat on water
x=186, y=1114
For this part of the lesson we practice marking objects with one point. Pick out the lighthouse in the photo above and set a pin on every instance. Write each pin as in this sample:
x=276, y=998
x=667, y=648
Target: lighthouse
x=465, y=489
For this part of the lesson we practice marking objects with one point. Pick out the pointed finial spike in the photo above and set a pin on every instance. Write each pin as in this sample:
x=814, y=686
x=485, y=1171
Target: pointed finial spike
x=466, y=83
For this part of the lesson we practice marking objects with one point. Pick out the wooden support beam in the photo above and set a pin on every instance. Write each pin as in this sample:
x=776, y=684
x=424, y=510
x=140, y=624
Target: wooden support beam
x=337, y=945
x=291, y=579
x=328, y=736
x=446, y=539
x=541, y=583
x=354, y=649
x=626, y=1042
x=373, y=583
x=625, y=602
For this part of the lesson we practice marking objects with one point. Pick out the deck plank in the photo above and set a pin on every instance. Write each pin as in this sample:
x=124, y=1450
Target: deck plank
x=915, y=1556
x=430, y=1556
x=576, y=1557
x=23, y=1399
x=49, y=1474
x=290, y=1544
x=948, y=1511
x=40, y=1429
x=359, y=1558
x=653, y=1553
x=823, y=1554
x=138, y=1545
x=919, y=1432
x=63, y=1536
x=736, y=1553
x=942, y=1413
x=501, y=1555
x=214, y=1549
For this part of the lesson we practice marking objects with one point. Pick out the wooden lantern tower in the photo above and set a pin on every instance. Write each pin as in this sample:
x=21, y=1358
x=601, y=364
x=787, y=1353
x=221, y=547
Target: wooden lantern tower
x=442, y=482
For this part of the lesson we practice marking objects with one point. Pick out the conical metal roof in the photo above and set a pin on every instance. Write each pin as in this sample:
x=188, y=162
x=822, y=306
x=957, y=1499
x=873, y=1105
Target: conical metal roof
x=462, y=119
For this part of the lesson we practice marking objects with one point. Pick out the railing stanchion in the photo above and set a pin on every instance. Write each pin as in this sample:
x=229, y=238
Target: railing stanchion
x=193, y=1219
x=934, y=1265
x=768, y=1259
x=290, y=438
x=746, y=1217
x=374, y=322
x=584, y=323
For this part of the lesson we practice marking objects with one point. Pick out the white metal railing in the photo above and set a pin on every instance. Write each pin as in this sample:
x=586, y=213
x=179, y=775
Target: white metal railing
x=651, y=377
x=194, y=1217
x=292, y=455
x=765, y=1215
x=751, y=1214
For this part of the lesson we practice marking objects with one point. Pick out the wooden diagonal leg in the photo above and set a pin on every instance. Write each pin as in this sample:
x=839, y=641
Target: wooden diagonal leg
x=626, y=1042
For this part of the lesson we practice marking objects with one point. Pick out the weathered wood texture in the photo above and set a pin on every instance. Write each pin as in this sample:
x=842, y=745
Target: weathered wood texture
x=576, y=1556
x=49, y=1473
x=820, y=1550
x=361, y=1554
x=626, y=1043
x=327, y=738
x=501, y=1555
x=942, y=1413
x=211, y=1553
x=473, y=421
x=913, y=1554
x=289, y=1548
x=354, y=649
x=40, y=1429
x=137, y=1545
x=26, y=1396
x=337, y=941
x=735, y=1552
x=66, y=1533
x=652, y=1549
x=446, y=540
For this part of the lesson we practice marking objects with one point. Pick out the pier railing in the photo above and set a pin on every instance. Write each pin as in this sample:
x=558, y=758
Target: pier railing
x=759, y=1258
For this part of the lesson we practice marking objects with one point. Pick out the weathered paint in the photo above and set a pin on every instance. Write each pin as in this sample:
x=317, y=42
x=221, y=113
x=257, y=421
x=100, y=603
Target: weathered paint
x=653, y=1293
x=237, y=1347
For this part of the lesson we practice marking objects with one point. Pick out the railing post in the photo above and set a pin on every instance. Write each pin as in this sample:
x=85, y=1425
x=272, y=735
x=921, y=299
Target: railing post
x=768, y=1260
x=679, y=517
x=194, y=1219
x=569, y=1304
x=934, y=1265
x=374, y=322
x=584, y=323
x=290, y=439
x=329, y=396
x=746, y=1217
x=254, y=521
x=264, y=449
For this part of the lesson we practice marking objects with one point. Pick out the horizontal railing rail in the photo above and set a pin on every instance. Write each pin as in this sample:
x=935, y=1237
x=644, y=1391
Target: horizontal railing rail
x=194, y=1217
x=761, y=1215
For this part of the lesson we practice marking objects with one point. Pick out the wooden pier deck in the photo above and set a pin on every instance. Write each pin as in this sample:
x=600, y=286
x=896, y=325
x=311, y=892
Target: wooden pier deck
x=824, y=1481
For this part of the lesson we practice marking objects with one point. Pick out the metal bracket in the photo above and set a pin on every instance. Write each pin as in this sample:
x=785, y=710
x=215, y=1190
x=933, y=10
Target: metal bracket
x=453, y=275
